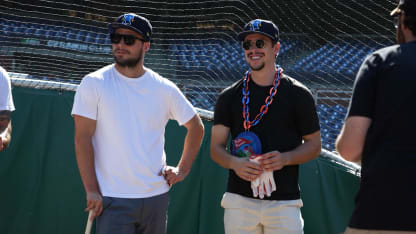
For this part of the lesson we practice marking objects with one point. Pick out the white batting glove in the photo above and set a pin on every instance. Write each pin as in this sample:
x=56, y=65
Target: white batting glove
x=261, y=189
x=264, y=184
x=267, y=182
x=255, y=187
x=256, y=184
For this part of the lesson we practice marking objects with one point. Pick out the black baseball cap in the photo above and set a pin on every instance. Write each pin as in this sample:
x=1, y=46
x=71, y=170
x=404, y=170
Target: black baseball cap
x=408, y=6
x=133, y=22
x=265, y=27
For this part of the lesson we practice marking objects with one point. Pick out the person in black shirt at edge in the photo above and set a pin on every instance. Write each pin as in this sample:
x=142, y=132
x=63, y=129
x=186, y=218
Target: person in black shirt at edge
x=274, y=127
x=379, y=131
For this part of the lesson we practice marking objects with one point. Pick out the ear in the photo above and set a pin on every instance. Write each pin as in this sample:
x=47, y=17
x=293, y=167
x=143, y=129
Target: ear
x=276, y=49
x=146, y=46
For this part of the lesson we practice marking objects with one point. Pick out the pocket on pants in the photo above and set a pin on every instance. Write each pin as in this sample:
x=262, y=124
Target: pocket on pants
x=296, y=203
x=227, y=201
x=107, y=202
x=231, y=200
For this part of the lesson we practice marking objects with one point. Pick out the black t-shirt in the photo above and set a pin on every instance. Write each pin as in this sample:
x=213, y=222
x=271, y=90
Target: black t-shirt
x=290, y=116
x=385, y=92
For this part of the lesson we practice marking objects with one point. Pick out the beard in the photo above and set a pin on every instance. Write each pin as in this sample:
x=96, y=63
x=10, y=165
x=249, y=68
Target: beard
x=258, y=68
x=255, y=68
x=129, y=63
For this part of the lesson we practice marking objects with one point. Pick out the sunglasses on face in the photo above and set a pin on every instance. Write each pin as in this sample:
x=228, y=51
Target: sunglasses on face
x=259, y=44
x=128, y=39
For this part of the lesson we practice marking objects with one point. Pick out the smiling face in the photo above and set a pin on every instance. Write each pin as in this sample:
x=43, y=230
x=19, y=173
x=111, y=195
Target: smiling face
x=258, y=58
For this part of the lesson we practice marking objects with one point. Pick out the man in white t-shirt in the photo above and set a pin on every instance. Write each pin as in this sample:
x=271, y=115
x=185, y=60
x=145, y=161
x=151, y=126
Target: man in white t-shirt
x=6, y=107
x=120, y=113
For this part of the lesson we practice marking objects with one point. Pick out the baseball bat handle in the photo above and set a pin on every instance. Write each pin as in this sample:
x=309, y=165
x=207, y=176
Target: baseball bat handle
x=89, y=223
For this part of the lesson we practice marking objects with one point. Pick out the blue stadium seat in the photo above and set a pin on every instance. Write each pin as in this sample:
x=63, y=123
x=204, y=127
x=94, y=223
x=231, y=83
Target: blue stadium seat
x=100, y=38
x=4, y=29
x=51, y=32
x=29, y=31
x=61, y=33
x=71, y=35
x=90, y=37
x=39, y=33
x=174, y=47
x=107, y=40
x=80, y=36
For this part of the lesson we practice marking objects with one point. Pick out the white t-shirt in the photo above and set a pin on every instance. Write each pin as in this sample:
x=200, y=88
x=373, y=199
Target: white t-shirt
x=6, y=99
x=131, y=116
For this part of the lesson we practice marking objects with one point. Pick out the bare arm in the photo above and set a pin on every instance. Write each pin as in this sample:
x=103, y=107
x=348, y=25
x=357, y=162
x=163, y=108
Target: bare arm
x=84, y=130
x=350, y=142
x=307, y=151
x=5, y=129
x=193, y=139
x=245, y=169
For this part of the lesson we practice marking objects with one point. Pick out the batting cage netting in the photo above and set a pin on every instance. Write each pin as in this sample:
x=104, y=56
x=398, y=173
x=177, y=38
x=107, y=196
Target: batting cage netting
x=194, y=43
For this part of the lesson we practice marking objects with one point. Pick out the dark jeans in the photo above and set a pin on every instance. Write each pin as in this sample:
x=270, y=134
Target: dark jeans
x=133, y=216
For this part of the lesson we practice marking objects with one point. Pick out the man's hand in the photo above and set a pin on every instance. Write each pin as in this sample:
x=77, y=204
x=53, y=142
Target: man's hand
x=1, y=143
x=273, y=161
x=94, y=203
x=245, y=169
x=5, y=129
x=263, y=185
x=173, y=175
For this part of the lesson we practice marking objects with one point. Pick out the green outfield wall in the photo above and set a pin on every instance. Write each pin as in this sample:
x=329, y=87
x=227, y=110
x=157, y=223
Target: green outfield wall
x=42, y=193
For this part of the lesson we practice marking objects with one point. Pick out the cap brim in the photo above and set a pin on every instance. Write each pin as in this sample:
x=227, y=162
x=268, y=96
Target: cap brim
x=243, y=35
x=396, y=11
x=113, y=26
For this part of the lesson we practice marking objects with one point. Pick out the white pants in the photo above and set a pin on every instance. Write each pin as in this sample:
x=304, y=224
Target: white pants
x=244, y=215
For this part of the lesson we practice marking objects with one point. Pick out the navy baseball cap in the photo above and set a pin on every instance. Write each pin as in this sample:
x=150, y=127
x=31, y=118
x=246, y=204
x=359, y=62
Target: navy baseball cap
x=408, y=6
x=265, y=27
x=133, y=22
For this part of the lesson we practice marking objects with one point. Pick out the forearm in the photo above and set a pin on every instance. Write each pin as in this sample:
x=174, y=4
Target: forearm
x=191, y=147
x=222, y=157
x=347, y=148
x=303, y=153
x=85, y=160
x=350, y=142
x=218, y=147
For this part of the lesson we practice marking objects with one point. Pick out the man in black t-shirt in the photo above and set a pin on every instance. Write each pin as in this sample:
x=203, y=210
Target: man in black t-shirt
x=379, y=130
x=274, y=127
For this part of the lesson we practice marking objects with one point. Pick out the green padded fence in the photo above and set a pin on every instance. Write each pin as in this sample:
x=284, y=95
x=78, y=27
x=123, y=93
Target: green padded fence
x=42, y=191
